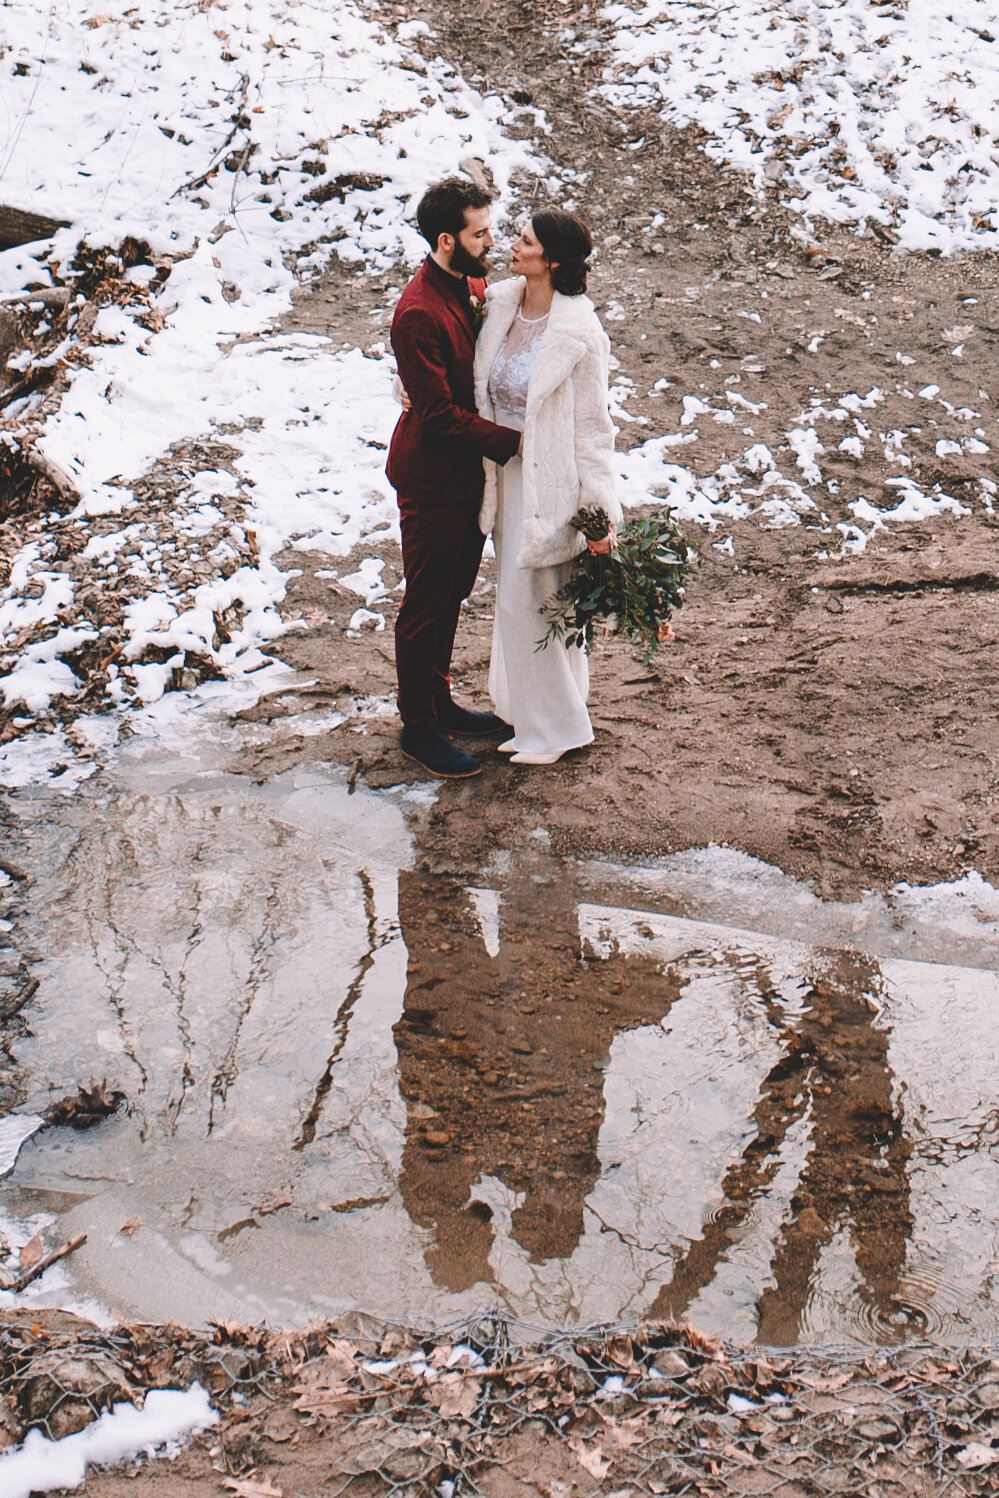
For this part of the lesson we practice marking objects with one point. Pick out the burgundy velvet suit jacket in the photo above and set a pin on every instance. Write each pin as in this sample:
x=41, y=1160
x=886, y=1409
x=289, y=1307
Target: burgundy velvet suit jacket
x=437, y=448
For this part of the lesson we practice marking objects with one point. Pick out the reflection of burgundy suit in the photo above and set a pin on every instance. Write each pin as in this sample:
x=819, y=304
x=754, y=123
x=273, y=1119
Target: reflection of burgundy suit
x=435, y=466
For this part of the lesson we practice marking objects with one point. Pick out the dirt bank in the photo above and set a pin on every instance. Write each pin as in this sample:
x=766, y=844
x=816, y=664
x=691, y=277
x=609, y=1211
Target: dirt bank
x=359, y=1405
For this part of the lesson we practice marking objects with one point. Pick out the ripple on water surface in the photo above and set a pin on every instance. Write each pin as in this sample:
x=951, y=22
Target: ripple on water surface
x=353, y=1083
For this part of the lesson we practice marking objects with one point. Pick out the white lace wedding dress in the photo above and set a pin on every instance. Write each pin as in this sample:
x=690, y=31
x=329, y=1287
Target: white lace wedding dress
x=542, y=693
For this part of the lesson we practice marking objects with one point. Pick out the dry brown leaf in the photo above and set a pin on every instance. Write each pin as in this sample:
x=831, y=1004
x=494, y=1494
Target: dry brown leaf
x=737, y=1454
x=329, y=1371
x=131, y=1226
x=152, y=318
x=711, y=1381
x=620, y=1351
x=343, y=1355
x=280, y=1425
x=593, y=1459
x=232, y=1329
x=162, y=1362
x=31, y=1252
x=543, y=1369
x=329, y=1402
x=977, y=1455
x=454, y=1394
x=625, y=1433
x=245, y=1487
x=824, y=1383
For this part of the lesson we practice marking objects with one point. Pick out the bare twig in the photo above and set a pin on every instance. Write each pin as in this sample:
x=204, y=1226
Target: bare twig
x=238, y=173
x=37, y=1269
x=238, y=123
x=49, y=296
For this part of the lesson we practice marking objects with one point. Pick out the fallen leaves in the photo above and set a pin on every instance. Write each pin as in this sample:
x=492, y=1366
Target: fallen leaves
x=455, y=1394
x=324, y=1387
x=592, y=1459
x=31, y=1252
x=89, y=1106
x=660, y=1408
x=280, y=1425
x=977, y=1455
x=325, y=1403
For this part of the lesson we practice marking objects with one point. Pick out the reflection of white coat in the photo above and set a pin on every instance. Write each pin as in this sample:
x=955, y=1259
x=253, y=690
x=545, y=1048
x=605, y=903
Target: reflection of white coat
x=568, y=433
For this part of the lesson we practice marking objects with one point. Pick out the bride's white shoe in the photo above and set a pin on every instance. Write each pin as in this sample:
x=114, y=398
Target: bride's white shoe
x=510, y=747
x=538, y=759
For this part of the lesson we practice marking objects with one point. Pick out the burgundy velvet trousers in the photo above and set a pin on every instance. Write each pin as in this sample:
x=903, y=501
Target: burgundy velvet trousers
x=441, y=551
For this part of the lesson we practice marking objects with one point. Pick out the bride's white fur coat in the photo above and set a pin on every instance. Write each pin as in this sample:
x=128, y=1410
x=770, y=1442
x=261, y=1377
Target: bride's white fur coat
x=568, y=433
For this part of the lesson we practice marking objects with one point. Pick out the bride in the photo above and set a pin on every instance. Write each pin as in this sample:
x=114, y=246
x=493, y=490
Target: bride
x=541, y=365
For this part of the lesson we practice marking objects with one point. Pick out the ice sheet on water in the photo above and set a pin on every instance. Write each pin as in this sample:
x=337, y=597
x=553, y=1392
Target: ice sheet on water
x=15, y=1128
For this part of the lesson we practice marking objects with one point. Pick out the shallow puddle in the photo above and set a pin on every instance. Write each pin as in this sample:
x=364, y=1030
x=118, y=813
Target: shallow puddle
x=584, y=1093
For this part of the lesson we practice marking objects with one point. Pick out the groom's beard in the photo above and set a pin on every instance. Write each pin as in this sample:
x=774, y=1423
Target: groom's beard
x=466, y=264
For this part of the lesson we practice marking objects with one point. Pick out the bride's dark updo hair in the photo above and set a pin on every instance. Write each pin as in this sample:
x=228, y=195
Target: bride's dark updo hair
x=567, y=244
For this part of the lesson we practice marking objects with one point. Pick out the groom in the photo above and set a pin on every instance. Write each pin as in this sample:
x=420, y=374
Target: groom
x=435, y=466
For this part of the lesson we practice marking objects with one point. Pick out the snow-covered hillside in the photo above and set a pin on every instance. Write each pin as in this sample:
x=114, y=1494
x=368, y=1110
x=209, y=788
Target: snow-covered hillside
x=862, y=113
x=241, y=145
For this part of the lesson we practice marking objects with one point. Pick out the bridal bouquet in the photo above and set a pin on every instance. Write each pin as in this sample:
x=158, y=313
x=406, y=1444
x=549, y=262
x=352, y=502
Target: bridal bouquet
x=634, y=588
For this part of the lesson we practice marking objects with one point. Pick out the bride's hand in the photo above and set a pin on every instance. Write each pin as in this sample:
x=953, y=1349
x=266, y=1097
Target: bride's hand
x=399, y=391
x=603, y=547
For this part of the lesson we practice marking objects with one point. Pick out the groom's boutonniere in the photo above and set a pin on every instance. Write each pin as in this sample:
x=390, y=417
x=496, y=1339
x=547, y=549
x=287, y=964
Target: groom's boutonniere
x=478, y=313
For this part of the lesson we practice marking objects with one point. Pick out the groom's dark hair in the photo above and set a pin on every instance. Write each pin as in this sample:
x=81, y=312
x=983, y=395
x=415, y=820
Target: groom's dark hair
x=443, y=207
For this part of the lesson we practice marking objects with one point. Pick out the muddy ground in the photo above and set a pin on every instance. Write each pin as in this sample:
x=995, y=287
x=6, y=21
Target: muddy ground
x=834, y=716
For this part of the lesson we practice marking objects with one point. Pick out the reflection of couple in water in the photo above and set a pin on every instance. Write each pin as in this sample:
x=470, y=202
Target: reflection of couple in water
x=505, y=430
x=501, y=1056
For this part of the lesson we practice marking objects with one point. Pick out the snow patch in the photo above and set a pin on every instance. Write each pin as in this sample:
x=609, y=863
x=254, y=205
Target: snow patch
x=168, y=1416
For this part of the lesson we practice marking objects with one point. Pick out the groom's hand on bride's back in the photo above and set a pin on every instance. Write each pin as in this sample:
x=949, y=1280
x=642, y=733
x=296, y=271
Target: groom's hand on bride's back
x=407, y=405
